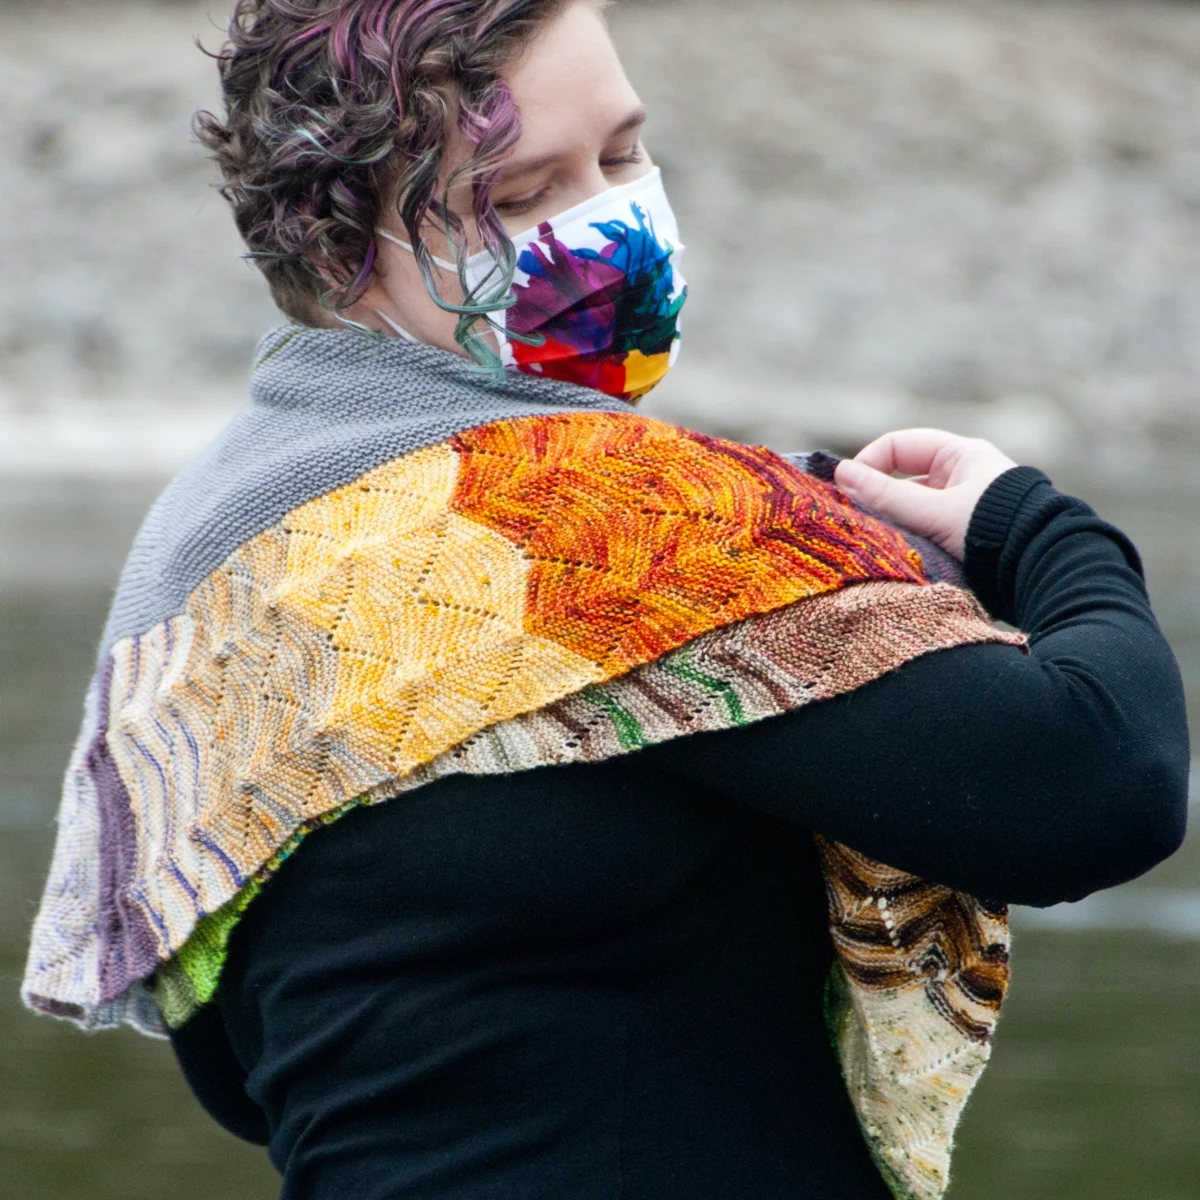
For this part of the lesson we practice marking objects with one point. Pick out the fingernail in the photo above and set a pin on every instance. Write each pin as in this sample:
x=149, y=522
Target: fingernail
x=847, y=475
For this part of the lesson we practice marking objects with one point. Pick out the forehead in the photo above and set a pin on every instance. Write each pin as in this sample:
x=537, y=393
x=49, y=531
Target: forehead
x=568, y=84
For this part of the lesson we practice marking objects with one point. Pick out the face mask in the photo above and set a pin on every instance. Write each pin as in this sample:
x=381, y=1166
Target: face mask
x=598, y=287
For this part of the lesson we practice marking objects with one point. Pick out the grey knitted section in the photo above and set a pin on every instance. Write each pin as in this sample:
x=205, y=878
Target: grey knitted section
x=325, y=406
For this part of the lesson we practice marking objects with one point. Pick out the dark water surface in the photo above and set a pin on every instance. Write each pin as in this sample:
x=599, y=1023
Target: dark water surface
x=1093, y=1092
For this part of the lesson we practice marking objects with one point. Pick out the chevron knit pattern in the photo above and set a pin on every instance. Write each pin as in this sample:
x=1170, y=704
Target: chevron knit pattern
x=545, y=589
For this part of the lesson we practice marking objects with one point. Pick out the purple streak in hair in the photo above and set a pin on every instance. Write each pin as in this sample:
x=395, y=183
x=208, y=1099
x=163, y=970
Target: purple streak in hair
x=332, y=104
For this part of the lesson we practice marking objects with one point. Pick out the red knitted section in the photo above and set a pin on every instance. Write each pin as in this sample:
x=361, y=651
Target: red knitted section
x=643, y=536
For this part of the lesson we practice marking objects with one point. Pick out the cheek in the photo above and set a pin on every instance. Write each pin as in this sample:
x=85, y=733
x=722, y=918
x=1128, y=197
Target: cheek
x=628, y=172
x=400, y=292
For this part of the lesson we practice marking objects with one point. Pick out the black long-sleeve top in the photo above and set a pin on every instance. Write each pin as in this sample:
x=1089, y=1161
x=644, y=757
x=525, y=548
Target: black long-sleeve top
x=604, y=981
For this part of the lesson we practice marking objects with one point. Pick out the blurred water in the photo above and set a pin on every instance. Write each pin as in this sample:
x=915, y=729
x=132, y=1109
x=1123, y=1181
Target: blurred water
x=1094, y=1091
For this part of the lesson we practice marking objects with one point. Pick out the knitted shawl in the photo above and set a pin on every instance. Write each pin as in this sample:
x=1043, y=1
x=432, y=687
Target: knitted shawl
x=392, y=567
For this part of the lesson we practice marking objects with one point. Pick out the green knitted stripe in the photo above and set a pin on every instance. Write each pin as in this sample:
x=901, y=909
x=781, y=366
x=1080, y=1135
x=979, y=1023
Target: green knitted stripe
x=189, y=980
x=681, y=666
x=628, y=729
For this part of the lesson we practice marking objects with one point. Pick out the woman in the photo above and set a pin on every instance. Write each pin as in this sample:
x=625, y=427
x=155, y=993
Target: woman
x=440, y=550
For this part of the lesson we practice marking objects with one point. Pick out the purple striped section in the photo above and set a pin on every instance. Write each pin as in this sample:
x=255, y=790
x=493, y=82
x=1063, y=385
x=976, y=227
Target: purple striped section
x=128, y=946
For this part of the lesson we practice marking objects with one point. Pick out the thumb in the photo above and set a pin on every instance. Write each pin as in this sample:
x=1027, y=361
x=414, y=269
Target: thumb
x=899, y=501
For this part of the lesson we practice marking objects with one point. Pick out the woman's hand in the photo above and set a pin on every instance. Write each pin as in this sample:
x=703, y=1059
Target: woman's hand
x=950, y=474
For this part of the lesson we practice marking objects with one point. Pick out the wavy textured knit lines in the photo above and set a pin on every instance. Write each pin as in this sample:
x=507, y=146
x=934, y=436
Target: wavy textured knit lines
x=912, y=1002
x=881, y=921
x=643, y=535
x=367, y=633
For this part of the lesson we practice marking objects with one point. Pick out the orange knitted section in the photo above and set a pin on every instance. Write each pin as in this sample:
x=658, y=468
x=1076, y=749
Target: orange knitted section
x=643, y=536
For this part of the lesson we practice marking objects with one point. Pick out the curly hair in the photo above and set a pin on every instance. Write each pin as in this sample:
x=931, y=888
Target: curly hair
x=335, y=109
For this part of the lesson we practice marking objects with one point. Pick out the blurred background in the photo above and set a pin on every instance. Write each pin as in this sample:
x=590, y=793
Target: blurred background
x=981, y=214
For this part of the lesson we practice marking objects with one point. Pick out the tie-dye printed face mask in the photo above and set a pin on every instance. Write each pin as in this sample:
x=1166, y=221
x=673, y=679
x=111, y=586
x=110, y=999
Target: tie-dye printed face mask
x=597, y=291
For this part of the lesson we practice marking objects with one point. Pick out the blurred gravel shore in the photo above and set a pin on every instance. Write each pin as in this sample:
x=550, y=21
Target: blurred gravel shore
x=966, y=212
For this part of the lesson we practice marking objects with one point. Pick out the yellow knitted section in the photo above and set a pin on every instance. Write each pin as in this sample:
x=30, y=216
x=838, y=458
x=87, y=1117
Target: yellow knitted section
x=369, y=631
x=432, y=643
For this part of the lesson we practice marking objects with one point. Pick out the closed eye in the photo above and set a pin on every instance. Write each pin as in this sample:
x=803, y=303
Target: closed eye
x=636, y=155
x=528, y=204
x=514, y=208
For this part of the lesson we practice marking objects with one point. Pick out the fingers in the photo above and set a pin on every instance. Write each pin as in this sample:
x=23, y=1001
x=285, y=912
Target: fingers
x=948, y=474
x=909, y=451
x=902, y=501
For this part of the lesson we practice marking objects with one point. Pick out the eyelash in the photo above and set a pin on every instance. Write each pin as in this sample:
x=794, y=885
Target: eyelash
x=517, y=207
x=636, y=155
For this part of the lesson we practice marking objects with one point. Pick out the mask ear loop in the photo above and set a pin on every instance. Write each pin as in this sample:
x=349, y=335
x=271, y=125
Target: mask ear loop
x=459, y=274
x=396, y=241
x=527, y=339
x=399, y=330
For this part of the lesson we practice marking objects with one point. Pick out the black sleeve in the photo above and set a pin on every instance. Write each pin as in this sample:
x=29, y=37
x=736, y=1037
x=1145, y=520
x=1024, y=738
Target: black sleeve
x=1023, y=778
x=216, y=1077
